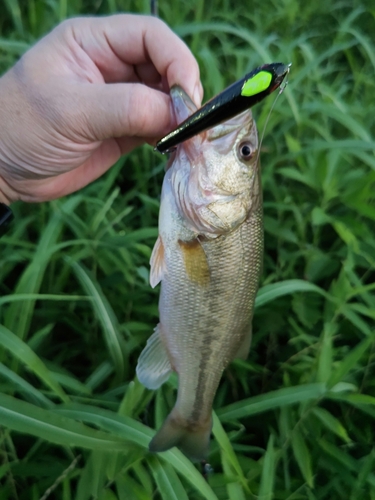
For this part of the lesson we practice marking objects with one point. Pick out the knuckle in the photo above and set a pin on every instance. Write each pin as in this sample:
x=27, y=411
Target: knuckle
x=65, y=27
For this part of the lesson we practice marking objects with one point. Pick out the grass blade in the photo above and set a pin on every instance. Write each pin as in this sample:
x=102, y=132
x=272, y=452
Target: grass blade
x=268, y=472
x=29, y=419
x=141, y=435
x=271, y=400
x=14, y=46
x=169, y=485
x=105, y=315
x=15, y=11
x=331, y=423
x=325, y=354
x=350, y=361
x=302, y=456
x=268, y=293
x=22, y=352
x=18, y=317
x=227, y=451
x=23, y=386
x=234, y=487
x=41, y=296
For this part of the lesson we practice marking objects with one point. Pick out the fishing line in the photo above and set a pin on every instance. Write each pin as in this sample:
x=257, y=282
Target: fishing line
x=281, y=90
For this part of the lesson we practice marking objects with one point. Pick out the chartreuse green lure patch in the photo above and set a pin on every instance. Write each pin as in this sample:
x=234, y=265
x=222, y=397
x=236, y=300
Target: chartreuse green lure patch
x=256, y=84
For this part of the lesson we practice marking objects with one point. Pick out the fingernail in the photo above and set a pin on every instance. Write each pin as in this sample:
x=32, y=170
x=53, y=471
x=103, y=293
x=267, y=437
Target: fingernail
x=198, y=94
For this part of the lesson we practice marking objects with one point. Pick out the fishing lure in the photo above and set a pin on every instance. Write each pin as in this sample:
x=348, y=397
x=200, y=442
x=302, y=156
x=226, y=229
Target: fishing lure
x=235, y=99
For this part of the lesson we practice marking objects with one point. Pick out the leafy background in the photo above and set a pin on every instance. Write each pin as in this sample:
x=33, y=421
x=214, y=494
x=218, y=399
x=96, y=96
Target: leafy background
x=297, y=419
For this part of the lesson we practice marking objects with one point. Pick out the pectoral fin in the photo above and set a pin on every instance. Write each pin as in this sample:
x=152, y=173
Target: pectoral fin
x=154, y=367
x=157, y=263
x=195, y=260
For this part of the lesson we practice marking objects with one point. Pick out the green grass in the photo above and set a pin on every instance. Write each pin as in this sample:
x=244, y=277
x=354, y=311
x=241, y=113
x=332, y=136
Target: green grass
x=297, y=419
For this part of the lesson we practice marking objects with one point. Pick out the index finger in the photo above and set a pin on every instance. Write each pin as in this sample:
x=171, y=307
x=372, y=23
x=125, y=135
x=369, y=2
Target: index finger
x=118, y=43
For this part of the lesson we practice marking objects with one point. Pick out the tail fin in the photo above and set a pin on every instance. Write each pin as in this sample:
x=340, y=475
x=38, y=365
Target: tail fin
x=192, y=440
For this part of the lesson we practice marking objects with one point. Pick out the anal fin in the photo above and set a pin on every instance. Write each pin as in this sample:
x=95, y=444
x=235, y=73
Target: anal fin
x=154, y=367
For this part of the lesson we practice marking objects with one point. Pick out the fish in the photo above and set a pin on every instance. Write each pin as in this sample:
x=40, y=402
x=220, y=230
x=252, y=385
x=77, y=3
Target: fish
x=208, y=257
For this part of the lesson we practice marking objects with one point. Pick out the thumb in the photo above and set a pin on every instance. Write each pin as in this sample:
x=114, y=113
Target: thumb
x=125, y=109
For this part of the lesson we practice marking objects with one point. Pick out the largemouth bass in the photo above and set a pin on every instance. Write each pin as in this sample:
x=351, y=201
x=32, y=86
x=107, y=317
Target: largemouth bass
x=208, y=257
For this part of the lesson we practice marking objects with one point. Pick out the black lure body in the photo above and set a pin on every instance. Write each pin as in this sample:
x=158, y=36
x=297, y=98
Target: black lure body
x=232, y=101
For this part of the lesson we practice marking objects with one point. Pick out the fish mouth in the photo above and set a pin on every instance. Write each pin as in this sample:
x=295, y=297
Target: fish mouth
x=183, y=106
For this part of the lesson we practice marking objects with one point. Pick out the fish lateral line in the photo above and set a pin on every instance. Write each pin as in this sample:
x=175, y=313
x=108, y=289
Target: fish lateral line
x=235, y=99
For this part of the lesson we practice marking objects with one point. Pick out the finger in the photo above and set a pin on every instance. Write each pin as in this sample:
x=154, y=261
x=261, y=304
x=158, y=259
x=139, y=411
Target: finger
x=100, y=161
x=117, y=42
x=147, y=74
x=118, y=110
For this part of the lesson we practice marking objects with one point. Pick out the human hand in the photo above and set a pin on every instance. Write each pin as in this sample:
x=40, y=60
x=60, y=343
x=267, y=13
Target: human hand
x=87, y=93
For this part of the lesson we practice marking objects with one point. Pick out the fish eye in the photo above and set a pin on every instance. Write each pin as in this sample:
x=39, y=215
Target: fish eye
x=246, y=151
